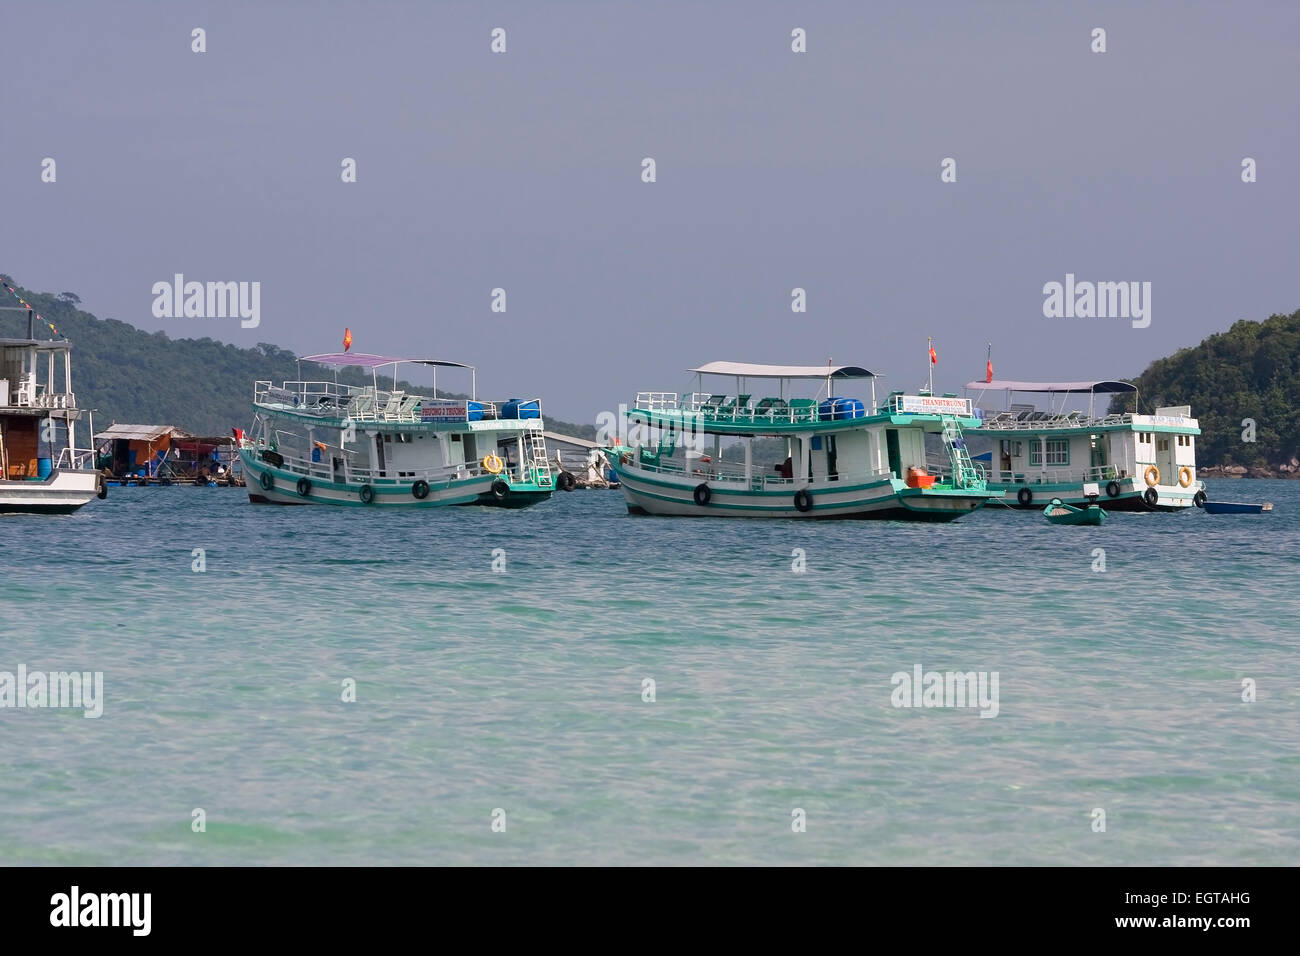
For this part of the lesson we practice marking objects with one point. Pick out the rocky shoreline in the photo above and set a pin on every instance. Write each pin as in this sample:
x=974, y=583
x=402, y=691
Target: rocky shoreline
x=1289, y=469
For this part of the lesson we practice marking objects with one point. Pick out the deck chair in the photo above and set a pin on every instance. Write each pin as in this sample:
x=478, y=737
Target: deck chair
x=394, y=403
x=710, y=407
x=803, y=409
x=768, y=408
x=738, y=404
x=362, y=407
x=407, y=408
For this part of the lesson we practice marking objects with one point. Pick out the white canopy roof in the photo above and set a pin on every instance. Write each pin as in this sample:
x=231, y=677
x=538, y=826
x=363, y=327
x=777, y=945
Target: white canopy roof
x=744, y=370
x=1046, y=387
x=365, y=360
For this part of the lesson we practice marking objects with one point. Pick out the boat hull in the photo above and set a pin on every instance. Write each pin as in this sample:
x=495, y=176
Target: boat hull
x=1235, y=508
x=883, y=499
x=1130, y=497
x=63, y=492
x=283, y=489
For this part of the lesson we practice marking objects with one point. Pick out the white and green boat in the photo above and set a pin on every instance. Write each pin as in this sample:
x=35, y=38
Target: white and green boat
x=1129, y=462
x=835, y=457
x=326, y=443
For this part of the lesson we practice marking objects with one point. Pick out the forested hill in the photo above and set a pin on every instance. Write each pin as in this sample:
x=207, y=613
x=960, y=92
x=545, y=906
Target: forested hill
x=201, y=385
x=1251, y=371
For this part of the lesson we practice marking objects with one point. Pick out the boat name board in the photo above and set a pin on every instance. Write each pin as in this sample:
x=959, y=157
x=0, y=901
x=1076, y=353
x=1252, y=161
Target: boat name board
x=1175, y=420
x=932, y=405
x=443, y=411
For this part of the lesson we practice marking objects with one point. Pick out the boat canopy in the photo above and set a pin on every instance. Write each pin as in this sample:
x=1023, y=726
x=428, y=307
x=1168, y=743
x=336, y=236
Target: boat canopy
x=1054, y=387
x=365, y=360
x=743, y=370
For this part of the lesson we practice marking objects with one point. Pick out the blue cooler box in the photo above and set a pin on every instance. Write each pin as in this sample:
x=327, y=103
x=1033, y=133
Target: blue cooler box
x=838, y=409
x=518, y=408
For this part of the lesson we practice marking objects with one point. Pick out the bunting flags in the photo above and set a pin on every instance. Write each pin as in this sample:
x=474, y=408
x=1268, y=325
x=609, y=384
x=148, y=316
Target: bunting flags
x=28, y=306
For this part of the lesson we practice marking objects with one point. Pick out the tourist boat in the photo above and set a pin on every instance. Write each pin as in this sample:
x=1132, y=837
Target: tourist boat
x=1237, y=507
x=1058, y=512
x=41, y=468
x=1139, y=462
x=842, y=457
x=326, y=443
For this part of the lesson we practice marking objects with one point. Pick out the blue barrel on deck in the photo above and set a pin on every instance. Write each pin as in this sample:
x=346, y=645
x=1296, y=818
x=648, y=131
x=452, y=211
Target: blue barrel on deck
x=43, y=468
x=837, y=409
x=474, y=411
x=518, y=408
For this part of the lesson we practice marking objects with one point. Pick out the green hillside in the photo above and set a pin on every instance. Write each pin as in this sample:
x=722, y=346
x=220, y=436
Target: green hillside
x=201, y=385
x=1251, y=371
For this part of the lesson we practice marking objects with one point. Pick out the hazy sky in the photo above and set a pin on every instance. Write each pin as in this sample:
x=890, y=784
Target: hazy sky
x=775, y=170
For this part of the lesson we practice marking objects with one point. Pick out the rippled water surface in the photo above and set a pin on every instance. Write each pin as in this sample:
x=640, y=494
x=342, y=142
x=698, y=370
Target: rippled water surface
x=476, y=690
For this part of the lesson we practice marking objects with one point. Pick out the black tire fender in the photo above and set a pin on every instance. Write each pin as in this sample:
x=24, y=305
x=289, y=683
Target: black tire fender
x=702, y=494
x=1024, y=497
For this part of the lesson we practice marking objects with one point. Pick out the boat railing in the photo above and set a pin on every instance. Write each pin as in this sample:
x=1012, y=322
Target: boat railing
x=721, y=471
x=365, y=403
x=716, y=408
x=1045, y=421
x=324, y=470
x=75, y=458
x=1040, y=476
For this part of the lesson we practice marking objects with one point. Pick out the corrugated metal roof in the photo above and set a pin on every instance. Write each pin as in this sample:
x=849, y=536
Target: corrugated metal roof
x=143, y=432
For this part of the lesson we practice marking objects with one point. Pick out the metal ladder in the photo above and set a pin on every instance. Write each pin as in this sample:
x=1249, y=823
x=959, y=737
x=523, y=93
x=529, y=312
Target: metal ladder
x=535, y=443
x=963, y=469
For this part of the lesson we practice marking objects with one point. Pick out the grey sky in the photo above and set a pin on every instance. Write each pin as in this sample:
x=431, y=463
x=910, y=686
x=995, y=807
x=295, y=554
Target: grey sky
x=775, y=170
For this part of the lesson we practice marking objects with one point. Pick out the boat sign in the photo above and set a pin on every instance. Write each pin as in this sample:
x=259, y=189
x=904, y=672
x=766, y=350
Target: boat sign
x=443, y=411
x=931, y=405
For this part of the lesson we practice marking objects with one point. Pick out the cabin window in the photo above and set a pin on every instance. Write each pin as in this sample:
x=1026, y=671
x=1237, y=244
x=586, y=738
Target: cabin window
x=1058, y=452
x=1162, y=445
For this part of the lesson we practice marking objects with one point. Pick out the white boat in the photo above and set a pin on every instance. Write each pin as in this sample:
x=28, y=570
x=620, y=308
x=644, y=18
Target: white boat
x=843, y=457
x=1129, y=462
x=326, y=443
x=41, y=469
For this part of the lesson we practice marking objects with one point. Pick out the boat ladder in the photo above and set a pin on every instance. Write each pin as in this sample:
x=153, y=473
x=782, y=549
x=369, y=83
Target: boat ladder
x=535, y=443
x=964, y=473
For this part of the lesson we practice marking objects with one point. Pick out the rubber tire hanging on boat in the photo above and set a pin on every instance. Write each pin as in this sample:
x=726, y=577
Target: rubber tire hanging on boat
x=1151, y=496
x=702, y=494
x=367, y=494
x=1025, y=497
x=500, y=490
x=802, y=501
x=266, y=481
x=1198, y=499
x=420, y=489
x=565, y=481
x=1112, y=489
x=304, y=486
x=101, y=488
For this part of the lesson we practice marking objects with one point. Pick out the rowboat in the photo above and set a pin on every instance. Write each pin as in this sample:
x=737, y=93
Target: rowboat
x=1058, y=512
x=1236, y=507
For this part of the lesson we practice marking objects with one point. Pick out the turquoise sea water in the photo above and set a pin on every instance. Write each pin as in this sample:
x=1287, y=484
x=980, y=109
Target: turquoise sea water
x=522, y=690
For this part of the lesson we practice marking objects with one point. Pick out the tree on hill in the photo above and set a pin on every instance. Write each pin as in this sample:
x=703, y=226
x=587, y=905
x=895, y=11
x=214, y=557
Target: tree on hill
x=201, y=385
x=1248, y=374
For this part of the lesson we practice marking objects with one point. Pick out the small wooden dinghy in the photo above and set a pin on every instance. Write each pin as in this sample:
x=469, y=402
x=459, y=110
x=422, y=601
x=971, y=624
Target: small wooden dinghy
x=1236, y=507
x=1060, y=513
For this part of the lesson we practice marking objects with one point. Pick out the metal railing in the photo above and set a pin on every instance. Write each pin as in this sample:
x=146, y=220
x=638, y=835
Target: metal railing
x=324, y=471
x=1007, y=421
x=365, y=403
x=734, y=472
x=710, y=407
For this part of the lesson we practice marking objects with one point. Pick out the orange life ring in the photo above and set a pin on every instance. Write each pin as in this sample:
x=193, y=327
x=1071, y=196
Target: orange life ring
x=492, y=464
x=1185, y=476
x=1147, y=476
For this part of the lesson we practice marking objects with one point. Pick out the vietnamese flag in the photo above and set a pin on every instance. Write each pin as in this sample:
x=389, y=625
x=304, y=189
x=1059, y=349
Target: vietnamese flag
x=347, y=339
x=934, y=356
x=988, y=372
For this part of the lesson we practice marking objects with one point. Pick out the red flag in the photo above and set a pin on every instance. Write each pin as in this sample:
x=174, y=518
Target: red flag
x=239, y=434
x=934, y=356
x=988, y=372
x=347, y=339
